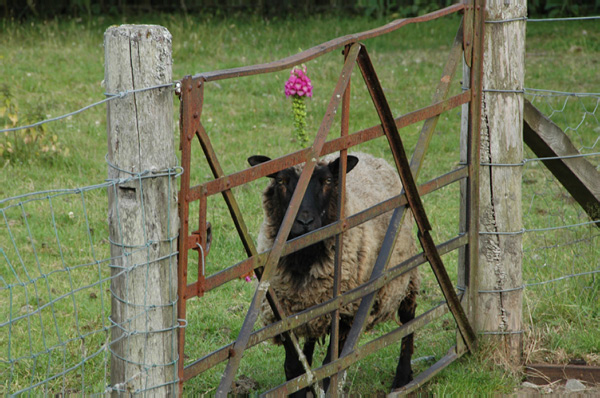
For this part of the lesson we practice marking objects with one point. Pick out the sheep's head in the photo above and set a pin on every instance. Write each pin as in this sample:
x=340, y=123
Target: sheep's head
x=319, y=204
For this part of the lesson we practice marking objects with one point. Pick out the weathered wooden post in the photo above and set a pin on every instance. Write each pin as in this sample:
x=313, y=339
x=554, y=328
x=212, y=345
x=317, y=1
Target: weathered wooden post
x=143, y=217
x=499, y=278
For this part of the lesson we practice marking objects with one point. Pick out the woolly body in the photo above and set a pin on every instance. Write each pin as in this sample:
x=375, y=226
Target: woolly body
x=372, y=181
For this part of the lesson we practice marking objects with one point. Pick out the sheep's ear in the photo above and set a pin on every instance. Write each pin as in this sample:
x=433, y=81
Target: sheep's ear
x=258, y=159
x=334, y=166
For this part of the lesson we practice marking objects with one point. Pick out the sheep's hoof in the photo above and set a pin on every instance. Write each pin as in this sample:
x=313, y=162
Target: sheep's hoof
x=402, y=379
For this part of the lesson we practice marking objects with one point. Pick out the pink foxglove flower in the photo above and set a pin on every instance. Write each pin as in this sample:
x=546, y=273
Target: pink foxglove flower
x=299, y=86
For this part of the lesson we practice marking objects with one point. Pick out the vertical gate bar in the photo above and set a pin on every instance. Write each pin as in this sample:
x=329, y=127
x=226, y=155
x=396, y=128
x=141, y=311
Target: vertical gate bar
x=190, y=98
x=202, y=225
x=273, y=258
x=413, y=197
x=473, y=154
x=468, y=32
x=339, y=239
x=463, y=227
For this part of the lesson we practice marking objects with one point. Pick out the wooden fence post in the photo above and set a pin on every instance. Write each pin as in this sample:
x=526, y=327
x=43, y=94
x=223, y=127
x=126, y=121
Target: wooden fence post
x=143, y=218
x=499, y=279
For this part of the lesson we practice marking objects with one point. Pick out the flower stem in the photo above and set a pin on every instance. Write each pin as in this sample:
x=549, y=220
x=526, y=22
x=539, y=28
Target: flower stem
x=299, y=110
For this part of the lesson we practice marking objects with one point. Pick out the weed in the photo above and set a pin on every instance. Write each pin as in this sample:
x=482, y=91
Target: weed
x=29, y=144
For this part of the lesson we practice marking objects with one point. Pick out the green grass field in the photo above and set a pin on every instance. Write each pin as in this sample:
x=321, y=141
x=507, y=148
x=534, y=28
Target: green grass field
x=60, y=240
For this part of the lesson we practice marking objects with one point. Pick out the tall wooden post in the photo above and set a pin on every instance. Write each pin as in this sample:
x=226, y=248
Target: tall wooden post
x=499, y=278
x=143, y=218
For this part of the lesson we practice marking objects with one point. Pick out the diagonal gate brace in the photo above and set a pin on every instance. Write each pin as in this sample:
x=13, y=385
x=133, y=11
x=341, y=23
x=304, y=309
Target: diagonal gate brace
x=417, y=208
x=387, y=246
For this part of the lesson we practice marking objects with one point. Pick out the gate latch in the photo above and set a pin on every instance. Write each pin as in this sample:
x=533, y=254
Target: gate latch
x=195, y=240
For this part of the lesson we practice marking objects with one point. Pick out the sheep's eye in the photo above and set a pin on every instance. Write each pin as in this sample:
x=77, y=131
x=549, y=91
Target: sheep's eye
x=328, y=181
x=280, y=181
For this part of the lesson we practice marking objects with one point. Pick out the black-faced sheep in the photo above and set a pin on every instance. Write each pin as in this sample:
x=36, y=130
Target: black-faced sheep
x=305, y=278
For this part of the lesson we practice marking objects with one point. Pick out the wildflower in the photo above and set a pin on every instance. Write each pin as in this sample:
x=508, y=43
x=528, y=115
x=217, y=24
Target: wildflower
x=299, y=86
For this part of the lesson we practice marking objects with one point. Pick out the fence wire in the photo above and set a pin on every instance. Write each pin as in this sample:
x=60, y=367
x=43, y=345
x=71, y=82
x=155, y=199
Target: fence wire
x=56, y=330
x=109, y=97
x=560, y=241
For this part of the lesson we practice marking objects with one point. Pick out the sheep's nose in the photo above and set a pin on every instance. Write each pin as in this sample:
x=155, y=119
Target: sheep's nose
x=305, y=219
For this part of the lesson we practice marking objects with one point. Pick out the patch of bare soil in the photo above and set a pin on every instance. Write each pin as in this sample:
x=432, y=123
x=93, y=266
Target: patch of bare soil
x=244, y=386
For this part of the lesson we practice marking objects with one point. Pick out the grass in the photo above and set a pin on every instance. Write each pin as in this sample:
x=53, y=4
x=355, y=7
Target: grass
x=61, y=242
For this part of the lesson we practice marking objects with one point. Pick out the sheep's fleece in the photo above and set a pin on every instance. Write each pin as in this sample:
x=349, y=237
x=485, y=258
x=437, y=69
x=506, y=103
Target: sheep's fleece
x=372, y=181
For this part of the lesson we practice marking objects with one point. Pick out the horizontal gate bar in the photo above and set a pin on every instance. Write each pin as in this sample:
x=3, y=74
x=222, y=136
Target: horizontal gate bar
x=426, y=375
x=294, y=320
x=330, y=230
x=324, y=48
x=402, y=121
x=242, y=177
x=361, y=352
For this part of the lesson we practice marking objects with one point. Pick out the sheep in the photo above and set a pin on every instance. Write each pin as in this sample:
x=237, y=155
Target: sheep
x=305, y=278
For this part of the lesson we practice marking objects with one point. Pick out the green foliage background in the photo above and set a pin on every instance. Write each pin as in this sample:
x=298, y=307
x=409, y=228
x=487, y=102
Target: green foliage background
x=270, y=8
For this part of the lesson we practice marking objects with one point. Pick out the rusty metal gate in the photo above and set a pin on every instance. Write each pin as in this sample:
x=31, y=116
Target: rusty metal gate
x=468, y=42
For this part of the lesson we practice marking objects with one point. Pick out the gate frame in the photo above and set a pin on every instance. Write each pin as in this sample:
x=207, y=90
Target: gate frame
x=469, y=41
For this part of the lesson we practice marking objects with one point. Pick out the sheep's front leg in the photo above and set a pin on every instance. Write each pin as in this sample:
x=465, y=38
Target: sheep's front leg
x=293, y=367
x=406, y=313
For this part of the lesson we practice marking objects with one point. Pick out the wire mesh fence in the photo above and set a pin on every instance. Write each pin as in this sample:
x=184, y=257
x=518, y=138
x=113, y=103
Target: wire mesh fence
x=55, y=293
x=560, y=240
